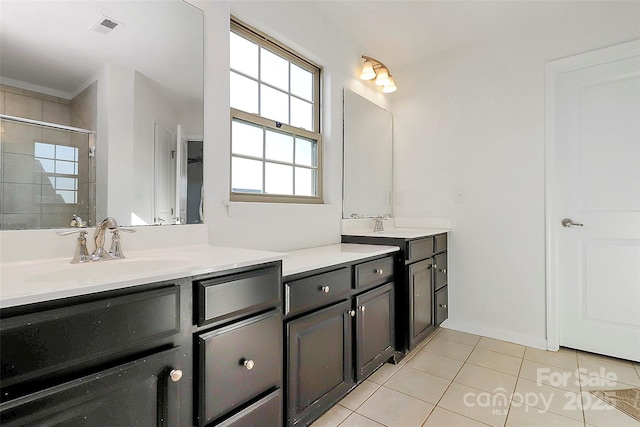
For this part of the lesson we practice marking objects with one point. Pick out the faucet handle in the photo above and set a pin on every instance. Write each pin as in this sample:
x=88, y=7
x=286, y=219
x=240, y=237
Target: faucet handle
x=116, y=249
x=81, y=253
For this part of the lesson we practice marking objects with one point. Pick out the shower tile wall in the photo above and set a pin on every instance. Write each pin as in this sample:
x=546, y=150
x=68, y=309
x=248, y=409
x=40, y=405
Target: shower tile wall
x=28, y=199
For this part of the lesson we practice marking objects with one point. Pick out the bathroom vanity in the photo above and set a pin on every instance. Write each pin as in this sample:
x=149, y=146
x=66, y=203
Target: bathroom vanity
x=421, y=280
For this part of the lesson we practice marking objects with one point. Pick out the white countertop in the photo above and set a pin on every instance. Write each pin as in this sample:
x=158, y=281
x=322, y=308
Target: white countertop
x=29, y=282
x=325, y=256
x=398, y=233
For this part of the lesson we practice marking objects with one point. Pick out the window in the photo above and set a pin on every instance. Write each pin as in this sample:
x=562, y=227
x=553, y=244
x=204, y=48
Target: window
x=275, y=121
x=59, y=164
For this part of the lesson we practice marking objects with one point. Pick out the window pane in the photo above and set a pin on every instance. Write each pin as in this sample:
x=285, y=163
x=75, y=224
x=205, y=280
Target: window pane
x=274, y=70
x=246, y=175
x=65, y=153
x=301, y=83
x=305, y=152
x=274, y=104
x=246, y=139
x=301, y=114
x=48, y=166
x=244, y=55
x=44, y=150
x=305, y=182
x=67, y=196
x=279, y=147
x=278, y=179
x=244, y=93
x=65, y=167
x=63, y=183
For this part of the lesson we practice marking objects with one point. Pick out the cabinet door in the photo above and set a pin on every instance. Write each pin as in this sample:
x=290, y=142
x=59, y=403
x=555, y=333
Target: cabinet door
x=320, y=366
x=141, y=393
x=421, y=302
x=374, y=329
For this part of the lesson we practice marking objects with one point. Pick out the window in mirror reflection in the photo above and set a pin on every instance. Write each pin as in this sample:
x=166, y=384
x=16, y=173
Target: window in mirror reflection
x=275, y=139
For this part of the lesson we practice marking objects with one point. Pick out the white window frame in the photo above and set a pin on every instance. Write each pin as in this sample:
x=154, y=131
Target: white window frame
x=275, y=47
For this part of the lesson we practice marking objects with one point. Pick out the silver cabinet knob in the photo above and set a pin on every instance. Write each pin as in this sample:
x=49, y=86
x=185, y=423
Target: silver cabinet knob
x=443, y=270
x=175, y=375
x=435, y=265
x=378, y=271
x=352, y=313
x=248, y=364
x=442, y=305
x=362, y=308
x=325, y=289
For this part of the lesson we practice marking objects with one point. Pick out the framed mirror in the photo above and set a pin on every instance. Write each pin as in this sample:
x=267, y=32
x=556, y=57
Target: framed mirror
x=368, y=158
x=102, y=112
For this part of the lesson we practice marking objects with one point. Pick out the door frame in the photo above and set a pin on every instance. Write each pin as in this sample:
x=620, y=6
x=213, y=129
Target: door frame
x=553, y=70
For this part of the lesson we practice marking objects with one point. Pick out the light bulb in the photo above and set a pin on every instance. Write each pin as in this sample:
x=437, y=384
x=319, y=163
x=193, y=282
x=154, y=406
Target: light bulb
x=367, y=71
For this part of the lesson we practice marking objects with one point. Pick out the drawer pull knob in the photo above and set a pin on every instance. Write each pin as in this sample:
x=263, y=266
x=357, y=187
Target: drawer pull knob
x=325, y=289
x=362, y=308
x=435, y=265
x=352, y=313
x=378, y=271
x=248, y=364
x=443, y=305
x=175, y=375
x=443, y=270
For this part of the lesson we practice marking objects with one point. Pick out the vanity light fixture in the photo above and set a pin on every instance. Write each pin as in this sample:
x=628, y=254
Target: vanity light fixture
x=374, y=69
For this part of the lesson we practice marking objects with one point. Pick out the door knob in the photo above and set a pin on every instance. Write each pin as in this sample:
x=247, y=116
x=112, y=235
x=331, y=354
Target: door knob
x=568, y=222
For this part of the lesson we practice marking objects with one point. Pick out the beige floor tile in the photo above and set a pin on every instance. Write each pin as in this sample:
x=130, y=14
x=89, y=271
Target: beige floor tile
x=392, y=408
x=441, y=417
x=607, y=368
x=418, y=384
x=486, y=379
x=566, y=379
x=498, y=361
x=333, y=417
x=476, y=404
x=564, y=358
x=452, y=349
x=504, y=347
x=357, y=420
x=521, y=415
x=359, y=395
x=457, y=336
x=435, y=364
x=384, y=373
x=600, y=414
x=550, y=399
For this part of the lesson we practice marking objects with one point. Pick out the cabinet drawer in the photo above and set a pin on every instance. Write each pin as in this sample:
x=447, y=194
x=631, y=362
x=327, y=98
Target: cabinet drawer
x=374, y=273
x=44, y=342
x=420, y=249
x=440, y=266
x=442, y=306
x=266, y=412
x=230, y=297
x=315, y=291
x=441, y=243
x=238, y=363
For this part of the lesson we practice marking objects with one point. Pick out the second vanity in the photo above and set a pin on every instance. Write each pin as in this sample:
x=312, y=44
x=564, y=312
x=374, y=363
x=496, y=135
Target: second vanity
x=192, y=335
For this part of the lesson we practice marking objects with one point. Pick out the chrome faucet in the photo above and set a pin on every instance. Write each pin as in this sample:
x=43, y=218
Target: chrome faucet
x=98, y=237
x=378, y=225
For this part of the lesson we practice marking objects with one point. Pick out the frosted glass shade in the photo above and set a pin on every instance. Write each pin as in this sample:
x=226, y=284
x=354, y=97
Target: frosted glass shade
x=382, y=77
x=390, y=87
x=367, y=71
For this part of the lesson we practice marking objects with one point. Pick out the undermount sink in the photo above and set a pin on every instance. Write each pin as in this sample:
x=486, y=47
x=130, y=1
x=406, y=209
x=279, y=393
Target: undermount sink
x=101, y=270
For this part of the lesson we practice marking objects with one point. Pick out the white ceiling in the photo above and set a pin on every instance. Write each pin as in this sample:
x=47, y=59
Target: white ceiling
x=399, y=32
x=50, y=43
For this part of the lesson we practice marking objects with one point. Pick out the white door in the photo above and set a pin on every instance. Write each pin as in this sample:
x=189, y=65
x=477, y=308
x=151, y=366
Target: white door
x=181, y=176
x=595, y=183
x=164, y=176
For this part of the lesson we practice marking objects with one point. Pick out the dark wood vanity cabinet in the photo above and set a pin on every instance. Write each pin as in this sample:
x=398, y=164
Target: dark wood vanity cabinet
x=110, y=359
x=339, y=328
x=421, y=286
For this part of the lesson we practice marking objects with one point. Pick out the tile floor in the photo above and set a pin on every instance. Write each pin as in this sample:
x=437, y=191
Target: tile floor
x=459, y=379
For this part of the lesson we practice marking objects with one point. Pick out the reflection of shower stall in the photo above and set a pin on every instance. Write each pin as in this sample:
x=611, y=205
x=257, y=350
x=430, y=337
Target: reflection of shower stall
x=47, y=174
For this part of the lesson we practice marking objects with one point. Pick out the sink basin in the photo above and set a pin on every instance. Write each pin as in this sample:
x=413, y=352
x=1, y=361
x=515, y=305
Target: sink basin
x=101, y=271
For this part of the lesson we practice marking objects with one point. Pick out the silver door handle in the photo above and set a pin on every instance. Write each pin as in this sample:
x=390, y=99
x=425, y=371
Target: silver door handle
x=568, y=222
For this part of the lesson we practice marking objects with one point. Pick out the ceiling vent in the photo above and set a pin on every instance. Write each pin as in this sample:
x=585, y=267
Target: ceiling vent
x=105, y=25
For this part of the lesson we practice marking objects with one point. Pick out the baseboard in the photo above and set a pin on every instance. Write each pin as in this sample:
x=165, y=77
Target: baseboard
x=535, y=342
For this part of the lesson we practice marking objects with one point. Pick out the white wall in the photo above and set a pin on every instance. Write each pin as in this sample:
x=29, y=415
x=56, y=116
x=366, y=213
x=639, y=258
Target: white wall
x=469, y=145
x=276, y=226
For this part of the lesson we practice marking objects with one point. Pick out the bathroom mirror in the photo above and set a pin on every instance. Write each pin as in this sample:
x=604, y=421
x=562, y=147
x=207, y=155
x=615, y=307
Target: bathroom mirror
x=131, y=72
x=368, y=157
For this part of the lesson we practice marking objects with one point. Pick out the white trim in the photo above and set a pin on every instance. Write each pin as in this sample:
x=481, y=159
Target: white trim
x=499, y=334
x=552, y=70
